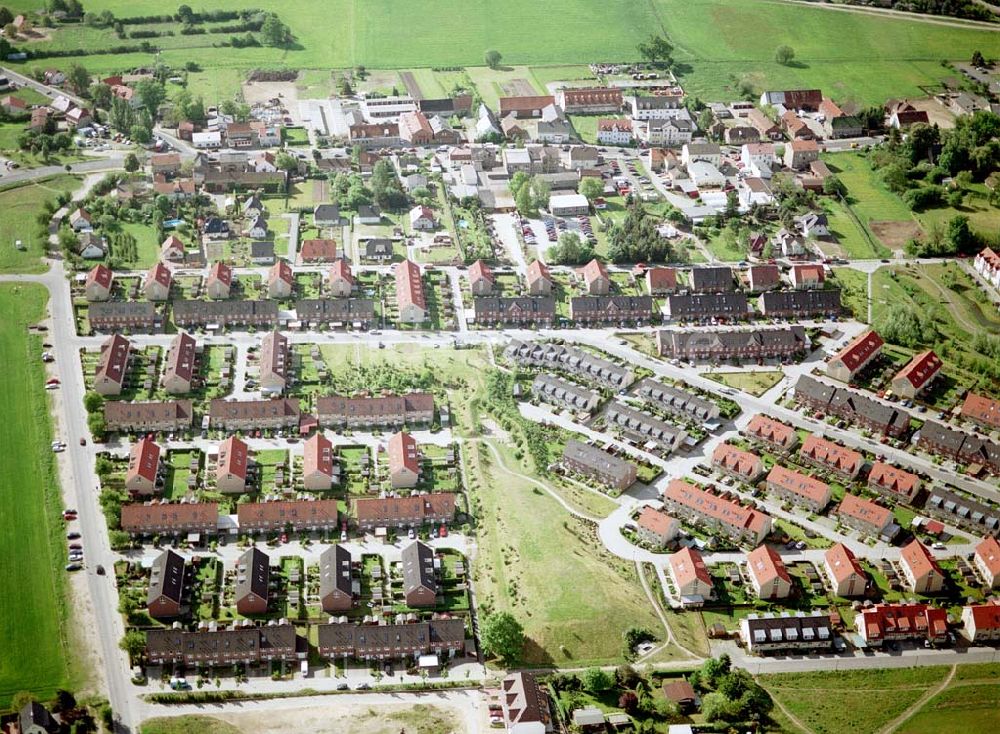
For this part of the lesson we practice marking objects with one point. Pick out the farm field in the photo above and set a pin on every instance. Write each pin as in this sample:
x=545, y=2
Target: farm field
x=719, y=42
x=33, y=622
x=20, y=206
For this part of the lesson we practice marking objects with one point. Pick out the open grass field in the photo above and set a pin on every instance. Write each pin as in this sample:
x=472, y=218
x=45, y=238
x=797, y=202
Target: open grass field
x=879, y=210
x=967, y=709
x=34, y=621
x=852, y=56
x=192, y=724
x=526, y=540
x=851, y=701
x=19, y=207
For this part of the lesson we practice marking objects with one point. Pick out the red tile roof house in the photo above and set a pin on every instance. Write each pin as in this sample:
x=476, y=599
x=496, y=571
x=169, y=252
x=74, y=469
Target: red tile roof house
x=854, y=357
x=655, y=527
x=112, y=365
x=232, y=468
x=864, y=516
x=661, y=281
x=539, y=281
x=156, y=287
x=422, y=218
x=172, y=249
x=404, y=460
x=918, y=375
x=13, y=105
x=772, y=432
x=318, y=251
x=735, y=462
x=595, y=278
x=525, y=107
x=143, y=468
x=318, y=463
x=981, y=622
x=410, y=297
x=481, y=280
x=768, y=575
x=280, y=280
x=986, y=559
x=920, y=569
x=982, y=411
x=590, y=100
x=282, y=514
x=689, y=502
x=889, y=481
x=181, y=369
x=400, y=512
x=798, y=489
x=690, y=576
x=98, y=284
x=341, y=279
x=763, y=277
x=827, y=455
x=808, y=276
x=846, y=576
x=160, y=518
x=220, y=281
x=902, y=622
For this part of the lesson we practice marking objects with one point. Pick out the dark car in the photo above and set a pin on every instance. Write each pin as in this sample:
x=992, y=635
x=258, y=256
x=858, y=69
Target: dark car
x=73, y=535
x=73, y=566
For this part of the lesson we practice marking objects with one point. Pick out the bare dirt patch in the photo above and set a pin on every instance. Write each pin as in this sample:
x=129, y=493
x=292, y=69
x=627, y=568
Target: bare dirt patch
x=355, y=718
x=937, y=113
x=895, y=235
x=410, y=82
x=263, y=92
x=519, y=88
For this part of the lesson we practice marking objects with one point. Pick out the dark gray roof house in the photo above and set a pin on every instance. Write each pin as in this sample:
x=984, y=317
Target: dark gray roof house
x=711, y=279
x=262, y=251
x=800, y=303
x=419, y=582
x=253, y=576
x=706, y=306
x=34, y=718
x=166, y=585
x=336, y=587
x=329, y=310
x=378, y=249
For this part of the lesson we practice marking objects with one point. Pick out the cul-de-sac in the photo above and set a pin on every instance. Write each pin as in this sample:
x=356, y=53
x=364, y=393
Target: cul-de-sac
x=579, y=367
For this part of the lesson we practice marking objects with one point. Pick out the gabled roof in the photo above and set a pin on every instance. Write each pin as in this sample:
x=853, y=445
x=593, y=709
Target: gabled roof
x=480, y=271
x=865, y=511
x=655, y=521
x=537, y=270
x=765, y=565
x=318, y=249
x=253, y=573
x=387, y=509
x=808, y=273
x=770, y=429
x=409, y=285
x=593, y=271
x=341, y=270
x=921, y=369
x=985, y=616
x=860, y=349
x=166, y=578
x=114, y=359
x=181, y=356
x=221, y=273
x=801, y=484
x=982, y=410
x=282, y=271
x=831, y=454
x=843, y=563
x=988, y=552
x=687, y=565
x=403, y=453
x=144, y=460
x=100, y=275
x=233, y=458
x=662, y=278
x=736, y=460
x=919, y=560
x=524, y=104
x=893, y=479
x=418, y=567
x=161, y=274
x=705, y=503
x=318, y=456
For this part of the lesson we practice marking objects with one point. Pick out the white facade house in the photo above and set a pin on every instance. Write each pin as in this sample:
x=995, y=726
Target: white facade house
x=655, y=108
x=206, y=140
x=675, y=131
x=614, y=132
x=705, y=174
x=756, y=154
x=707, y=152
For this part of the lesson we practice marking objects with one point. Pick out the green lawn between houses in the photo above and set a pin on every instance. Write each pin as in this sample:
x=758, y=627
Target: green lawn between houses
x=34, y=616
x=853, y=57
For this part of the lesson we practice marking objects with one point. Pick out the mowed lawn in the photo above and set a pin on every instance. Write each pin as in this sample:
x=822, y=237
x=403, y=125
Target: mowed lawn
x=18, y=209
x=33, y=611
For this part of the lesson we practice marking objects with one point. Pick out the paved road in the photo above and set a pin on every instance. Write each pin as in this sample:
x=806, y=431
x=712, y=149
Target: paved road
x=112, y=162
x=50, y=92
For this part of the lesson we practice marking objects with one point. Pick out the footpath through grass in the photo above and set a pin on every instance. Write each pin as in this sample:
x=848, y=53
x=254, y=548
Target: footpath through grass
x=34, y=616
